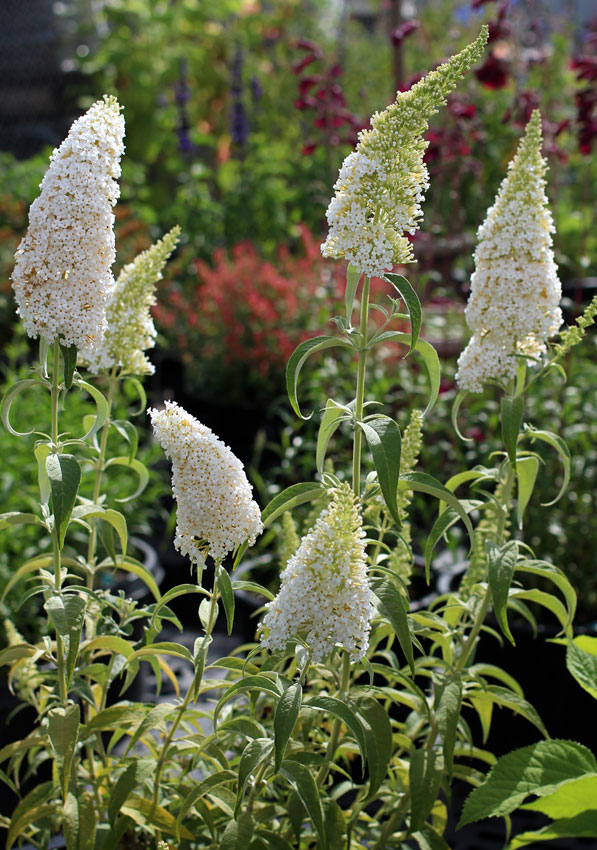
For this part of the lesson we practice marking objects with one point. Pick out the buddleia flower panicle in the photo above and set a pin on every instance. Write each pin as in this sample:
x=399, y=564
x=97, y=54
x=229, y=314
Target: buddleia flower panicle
x=62, y=277
x=324, y=593
x=381, y=185
x=515, y=290
x=215, y=509
x=130, y=330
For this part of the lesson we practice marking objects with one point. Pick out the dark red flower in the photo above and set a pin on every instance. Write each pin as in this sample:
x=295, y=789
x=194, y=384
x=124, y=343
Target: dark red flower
x=460, y=109
x=302, y=63
x=476, y=4
x=586, y=66
x=308, y=82
x=309, y=148
x=494, y=73
x=403, y=31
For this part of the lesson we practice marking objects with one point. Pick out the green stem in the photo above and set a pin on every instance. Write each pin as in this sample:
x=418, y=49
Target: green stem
x=211, y=619
x=99, y=471
x=335, y=734
x=360, y=395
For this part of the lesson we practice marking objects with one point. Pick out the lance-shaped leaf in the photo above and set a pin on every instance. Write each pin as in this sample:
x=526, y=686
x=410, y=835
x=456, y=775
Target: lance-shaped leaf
x=448, y=700
x=226, y=592
x=339, y=709
x=445, y=520
x=69, y=357
x=302, y=779
x=561, y=448
x=425, y=775
x=353, y=276
x=413, y=305
x=333, y=415
x=392, y=605
x=136, y=466
x=512, y=410
x=66, y=613
x=526, y=473
x=424, y=483
x=460, y=397
x=63, y=730
x=10, y=396
x=384, y=440
x=501, y=563
x=287, y=712
x=581, y=661
x=291, y=497
x=378, y=735
x=298, y=358
x=428, y=355
x=64, y=474
x=101, y=405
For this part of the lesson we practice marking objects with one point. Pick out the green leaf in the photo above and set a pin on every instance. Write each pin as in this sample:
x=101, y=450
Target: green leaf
x=460, y=397
x=429, y=357
x=445, y=520
x=517, y=704
x=41, y=455
x=10, y=396
x=555, y=575
x=429, y=839
x=64, y=474
x=298, y=358
x=249, y=683
x=288, y=499
x=512, y=410
x=287, y=712
x=582, y=825
x=329, y=422
x=308, y=793
x=568, y=800
x=501, y=562
x=70, y=820
x=252, y=587
x=63, y=730
x=561, y=448
x=202, y=789
x=254, y=754
x=384, y=440
x=582, y=664
x=335, y=824
x=538, y=769
x=18, y=518
x=87, y=822
x=130, y=565
x=66, y=613
x=447, y=706
x=378, y=737
x=353, y=276
x=144, y=812
x=224, y=586
x=237, y=834
x=393, y=606
x=151, y=721
x=134, y=775
x=526, y=472
x=137, y=467
x=139, y=389
x=338, y=708
x=425, y=483
x=200, y=650
x=179, y=590
x=425, y=775
x=275, y=842
x=29, y=818
x=69, y=356
x=130, y=434
x=547, y=600
x=413, y=305
x=101, y=405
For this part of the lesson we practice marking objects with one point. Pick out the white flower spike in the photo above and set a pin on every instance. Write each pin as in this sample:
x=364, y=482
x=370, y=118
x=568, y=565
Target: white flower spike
x=62, y=277
x=131, y=331
x=381, y=185
x=324, y=594
x=515, y=290
x=216, y=511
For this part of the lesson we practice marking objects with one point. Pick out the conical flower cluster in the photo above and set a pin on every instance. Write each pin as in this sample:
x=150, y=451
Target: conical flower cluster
x=381, y=185
x=62, y=277
x=215, y=509
x=131, y=331
x=324, y=594
x=515, y=291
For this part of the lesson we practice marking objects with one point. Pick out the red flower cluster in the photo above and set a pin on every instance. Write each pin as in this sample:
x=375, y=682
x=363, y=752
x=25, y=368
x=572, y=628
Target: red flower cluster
x=249, y=314
x=322, y=93
x=585, y=65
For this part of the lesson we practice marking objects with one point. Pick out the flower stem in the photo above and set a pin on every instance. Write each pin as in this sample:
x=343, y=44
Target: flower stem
x=360, y=395
x=99, y=471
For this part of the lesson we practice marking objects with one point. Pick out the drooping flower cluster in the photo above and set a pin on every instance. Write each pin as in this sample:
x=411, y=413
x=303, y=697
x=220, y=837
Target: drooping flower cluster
x=216, y=512
x=130, y=328
x=515, y=290
x=324, y=593
x=381, y=185
x=62, y=277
